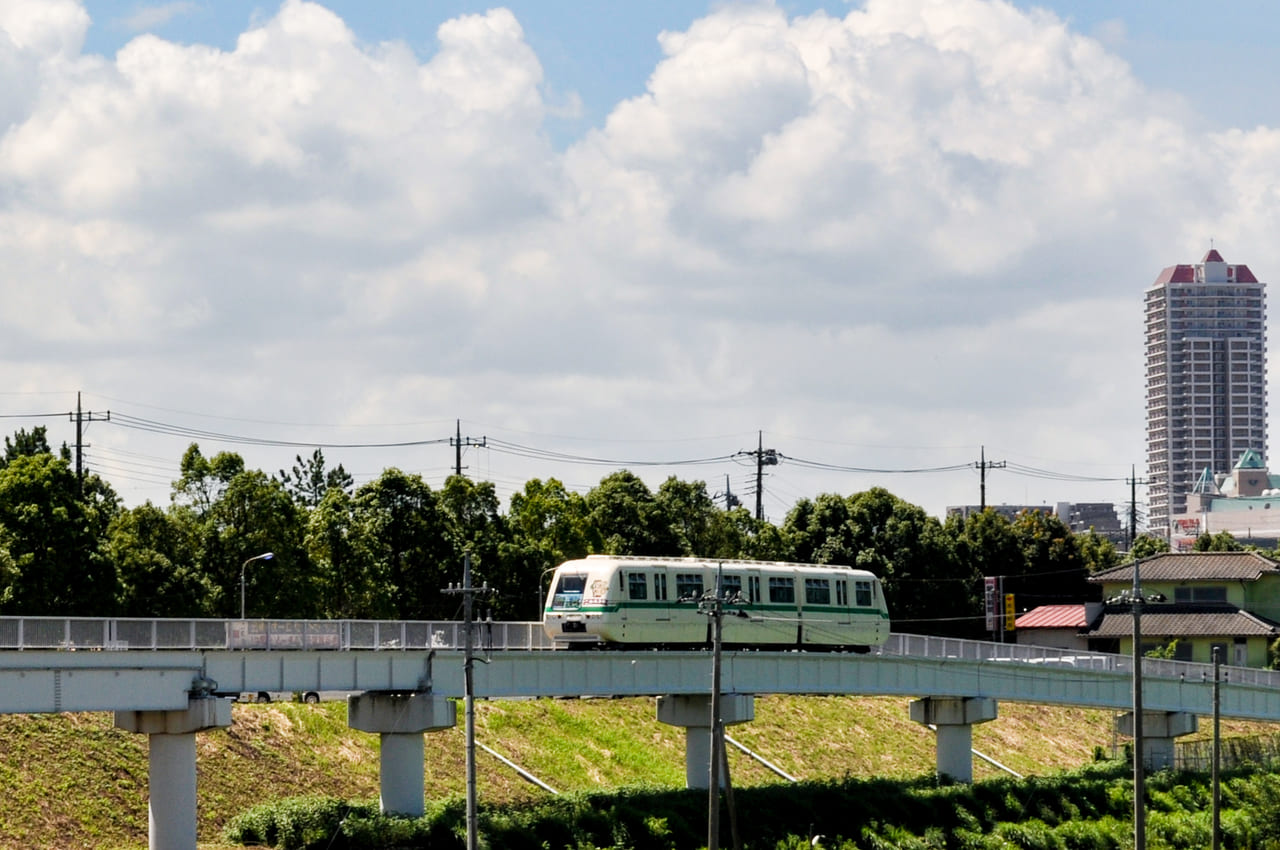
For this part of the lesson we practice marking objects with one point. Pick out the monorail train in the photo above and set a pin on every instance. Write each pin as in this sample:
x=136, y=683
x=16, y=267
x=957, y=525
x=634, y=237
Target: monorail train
x=605, y=600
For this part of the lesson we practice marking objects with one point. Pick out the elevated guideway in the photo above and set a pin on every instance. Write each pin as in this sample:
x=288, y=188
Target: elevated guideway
x=170, y=679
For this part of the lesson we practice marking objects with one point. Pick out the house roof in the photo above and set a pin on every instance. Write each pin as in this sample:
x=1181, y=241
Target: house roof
x=1193, y=566
x=1053, y=617
x=1161, y=621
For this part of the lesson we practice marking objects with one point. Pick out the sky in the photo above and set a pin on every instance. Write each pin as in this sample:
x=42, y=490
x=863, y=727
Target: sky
x=884, y=239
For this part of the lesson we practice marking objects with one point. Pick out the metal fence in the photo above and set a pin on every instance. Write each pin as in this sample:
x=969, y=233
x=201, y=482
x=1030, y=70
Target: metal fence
x=96, y=633
x=90, y=633
x=928, y=646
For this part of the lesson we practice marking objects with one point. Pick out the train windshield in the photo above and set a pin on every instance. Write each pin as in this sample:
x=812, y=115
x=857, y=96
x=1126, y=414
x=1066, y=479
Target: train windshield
x=568, y=592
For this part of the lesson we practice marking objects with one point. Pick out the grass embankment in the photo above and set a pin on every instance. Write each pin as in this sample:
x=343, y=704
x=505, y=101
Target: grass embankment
x=75, y=781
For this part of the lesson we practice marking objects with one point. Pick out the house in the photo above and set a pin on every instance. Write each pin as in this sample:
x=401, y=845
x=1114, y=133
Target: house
x=1230, y=600
x=1059, y=626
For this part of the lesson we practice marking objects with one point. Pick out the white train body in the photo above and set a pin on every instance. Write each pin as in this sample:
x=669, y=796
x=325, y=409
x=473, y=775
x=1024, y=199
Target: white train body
x=634, y=600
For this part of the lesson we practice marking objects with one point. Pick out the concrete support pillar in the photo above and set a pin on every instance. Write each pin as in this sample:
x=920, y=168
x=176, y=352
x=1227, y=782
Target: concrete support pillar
x=171, y=746
x=400, y=720
x=1160, y=730
x=693, y=712
x=954, y=718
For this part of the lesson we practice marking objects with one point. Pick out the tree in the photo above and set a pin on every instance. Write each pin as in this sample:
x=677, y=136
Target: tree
x=1097, y=553
x=398, y=520
x=203, y=481
x=1146, y=545
x=349, y=582
x=1054, y=573
x=626, y=516
x=154, y=554
x=1223, y=541
x=252, y=514
x=687, y=510
x=28, y=444
x=547, y=526
x=475, y=525
x=52, y=529
x=310, y=481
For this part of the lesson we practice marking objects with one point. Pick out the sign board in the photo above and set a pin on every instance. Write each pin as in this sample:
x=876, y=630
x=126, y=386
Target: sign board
x=990, y=594
x=1010, y=616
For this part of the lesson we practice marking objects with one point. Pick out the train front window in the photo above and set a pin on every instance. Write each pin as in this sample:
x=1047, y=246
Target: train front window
x=817, y=591
x=660, y=586
x=688, y=586
x=782, y=589
x=862, y=594
x=753, y=589
x=569, y=591
x=637, y=586
x=842, y=592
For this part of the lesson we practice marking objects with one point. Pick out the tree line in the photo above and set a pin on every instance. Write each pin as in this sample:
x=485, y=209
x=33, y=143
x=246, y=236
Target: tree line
x=387, y=548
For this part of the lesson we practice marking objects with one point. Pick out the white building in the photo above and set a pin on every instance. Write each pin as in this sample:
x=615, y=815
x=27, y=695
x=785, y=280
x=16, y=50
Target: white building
x=1206, y=378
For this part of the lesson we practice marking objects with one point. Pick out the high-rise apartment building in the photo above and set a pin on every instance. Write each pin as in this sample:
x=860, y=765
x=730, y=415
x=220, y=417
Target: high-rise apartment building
x=1206, y=378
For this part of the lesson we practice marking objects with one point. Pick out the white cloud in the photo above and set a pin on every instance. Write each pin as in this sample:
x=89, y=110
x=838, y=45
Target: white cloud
x=146, y=18
x=926, y=225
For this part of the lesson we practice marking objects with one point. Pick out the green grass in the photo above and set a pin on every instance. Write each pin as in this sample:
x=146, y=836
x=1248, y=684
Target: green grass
x=75, y=781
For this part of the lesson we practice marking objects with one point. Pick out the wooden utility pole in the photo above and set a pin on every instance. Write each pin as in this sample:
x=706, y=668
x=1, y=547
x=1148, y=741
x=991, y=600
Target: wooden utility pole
x=80, y=417
x=764, y=457
x=468, y=689
x=459, y=442
x=983, y=465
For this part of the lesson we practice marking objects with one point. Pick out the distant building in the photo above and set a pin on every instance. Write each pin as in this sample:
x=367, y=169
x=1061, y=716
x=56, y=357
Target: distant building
x=1244, y=503
x=1078, y=516
x=1206, y=364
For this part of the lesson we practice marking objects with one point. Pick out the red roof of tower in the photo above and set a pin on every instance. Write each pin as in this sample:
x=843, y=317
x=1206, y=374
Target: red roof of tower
x=1177, y=274
x=1213, y=257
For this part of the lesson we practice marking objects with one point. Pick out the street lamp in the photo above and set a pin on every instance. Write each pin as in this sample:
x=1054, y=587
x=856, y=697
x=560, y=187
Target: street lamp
x=265, y=556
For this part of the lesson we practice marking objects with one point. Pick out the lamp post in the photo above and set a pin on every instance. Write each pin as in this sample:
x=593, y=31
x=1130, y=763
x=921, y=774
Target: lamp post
x=265, y=556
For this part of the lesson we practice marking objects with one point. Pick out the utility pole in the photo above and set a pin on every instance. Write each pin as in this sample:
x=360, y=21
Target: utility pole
x=468, y=681
x=80, y=417
x=1217, y=748
x=764, y=457
x=459, y=443
x=713, y=606
x=982, y=466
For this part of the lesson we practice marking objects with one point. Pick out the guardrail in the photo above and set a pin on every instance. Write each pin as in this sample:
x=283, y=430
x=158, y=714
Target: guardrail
x=110, y=634
x=929, y=646
x=118, y=634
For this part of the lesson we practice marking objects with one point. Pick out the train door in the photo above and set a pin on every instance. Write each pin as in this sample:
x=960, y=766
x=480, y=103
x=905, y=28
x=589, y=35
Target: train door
x=844, y=614
x=661, y=600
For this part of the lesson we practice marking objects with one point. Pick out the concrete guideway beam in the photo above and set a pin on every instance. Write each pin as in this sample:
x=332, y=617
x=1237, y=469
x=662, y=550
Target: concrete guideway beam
x=400, y=720
x=171, y=755
x=693, y=712
x=954, y=718
x=1160, y=731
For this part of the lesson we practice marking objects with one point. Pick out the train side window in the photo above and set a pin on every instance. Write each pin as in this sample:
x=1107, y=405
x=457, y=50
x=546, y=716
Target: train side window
x=660, y=586
x=730, y=586
x=817, y=591
x=862, y=594
x=842, y=591
x=688, y=586
x=637, y=586
x=753, y=589
x=782, y=589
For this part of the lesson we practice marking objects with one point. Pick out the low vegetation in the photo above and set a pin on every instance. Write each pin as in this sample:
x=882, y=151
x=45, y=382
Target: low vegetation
x=75, y=781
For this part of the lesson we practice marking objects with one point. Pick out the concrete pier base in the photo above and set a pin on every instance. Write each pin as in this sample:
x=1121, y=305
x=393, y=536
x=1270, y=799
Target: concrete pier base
x=693, y=712
x=400, y=720
x=954, y=718
x=1160, y=731
x=171, y=755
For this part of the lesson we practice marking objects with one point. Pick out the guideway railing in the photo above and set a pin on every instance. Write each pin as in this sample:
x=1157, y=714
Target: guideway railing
x=118, y=634
x=92, y=633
